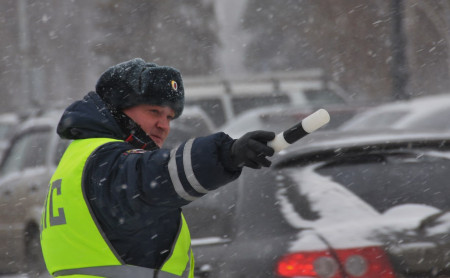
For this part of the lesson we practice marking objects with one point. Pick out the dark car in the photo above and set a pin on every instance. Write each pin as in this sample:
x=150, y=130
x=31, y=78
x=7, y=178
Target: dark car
x=333, y=205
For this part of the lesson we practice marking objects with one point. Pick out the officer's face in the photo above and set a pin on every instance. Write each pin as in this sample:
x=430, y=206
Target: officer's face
x=154, y=120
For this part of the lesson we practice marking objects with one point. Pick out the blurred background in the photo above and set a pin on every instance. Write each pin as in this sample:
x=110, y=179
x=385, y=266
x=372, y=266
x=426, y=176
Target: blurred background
x=52, y=52
x=336, y=193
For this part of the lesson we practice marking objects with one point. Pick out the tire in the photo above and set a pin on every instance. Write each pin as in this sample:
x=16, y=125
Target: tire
x=34, y=260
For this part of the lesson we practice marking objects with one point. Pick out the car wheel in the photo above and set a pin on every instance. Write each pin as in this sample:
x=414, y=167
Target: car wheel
x=34, y=260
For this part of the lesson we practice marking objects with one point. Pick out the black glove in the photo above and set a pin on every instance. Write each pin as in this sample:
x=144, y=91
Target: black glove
x=251, y=149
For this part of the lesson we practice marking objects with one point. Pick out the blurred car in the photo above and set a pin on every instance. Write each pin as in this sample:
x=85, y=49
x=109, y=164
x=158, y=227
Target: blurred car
x=193, y=122
x=335, y=204
x=8, y=123
x=280, y=117
x=25, y=171
x=430, y=112
x=224, y=99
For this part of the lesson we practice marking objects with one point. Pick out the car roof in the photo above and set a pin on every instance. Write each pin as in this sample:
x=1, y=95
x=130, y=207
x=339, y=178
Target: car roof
x=48, y=118
x=9, y=118
x=401, y=114
x=334, y=143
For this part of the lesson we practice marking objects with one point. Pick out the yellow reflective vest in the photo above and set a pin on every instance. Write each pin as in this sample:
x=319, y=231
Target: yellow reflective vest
x=72, y=241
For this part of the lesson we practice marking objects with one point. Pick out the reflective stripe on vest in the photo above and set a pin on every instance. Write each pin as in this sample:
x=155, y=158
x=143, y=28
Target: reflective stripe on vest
x=73, y=243
x=117, y=271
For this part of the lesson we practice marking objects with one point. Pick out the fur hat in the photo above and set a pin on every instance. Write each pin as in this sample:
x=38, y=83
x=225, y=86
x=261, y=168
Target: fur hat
x=136, y=82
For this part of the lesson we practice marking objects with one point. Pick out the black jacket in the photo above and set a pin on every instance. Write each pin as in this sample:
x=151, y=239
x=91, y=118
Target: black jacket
x=136, y=195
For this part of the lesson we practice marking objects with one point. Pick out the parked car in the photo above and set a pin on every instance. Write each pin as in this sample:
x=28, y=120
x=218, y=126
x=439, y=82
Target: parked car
x=8, y=123
x=224, y=99
x=25, y=171
x=429, y=112
x=335, y=204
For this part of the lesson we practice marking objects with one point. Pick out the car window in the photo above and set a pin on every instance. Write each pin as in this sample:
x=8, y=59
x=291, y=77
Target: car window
x=386, y=180
x=244, y=103
x=322, y=97
x=28, y=150
x=15, y=156
x=212, y=106
x=37, y=149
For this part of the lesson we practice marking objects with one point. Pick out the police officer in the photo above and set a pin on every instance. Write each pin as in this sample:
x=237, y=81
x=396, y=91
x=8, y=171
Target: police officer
x=114, y=202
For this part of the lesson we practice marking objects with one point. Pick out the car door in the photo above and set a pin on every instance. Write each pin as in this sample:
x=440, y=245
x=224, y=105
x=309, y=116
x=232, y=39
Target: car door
x=211, y=221
x=238, y=230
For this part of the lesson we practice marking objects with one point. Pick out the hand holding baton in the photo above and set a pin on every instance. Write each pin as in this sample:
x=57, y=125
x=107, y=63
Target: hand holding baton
x=253, y=148
x=300, y=130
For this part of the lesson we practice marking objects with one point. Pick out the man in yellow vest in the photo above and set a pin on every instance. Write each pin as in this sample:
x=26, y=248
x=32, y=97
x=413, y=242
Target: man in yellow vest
x=114, y=203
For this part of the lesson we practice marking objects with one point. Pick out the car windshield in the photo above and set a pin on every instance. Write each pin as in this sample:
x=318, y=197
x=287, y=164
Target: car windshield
x=385, y=180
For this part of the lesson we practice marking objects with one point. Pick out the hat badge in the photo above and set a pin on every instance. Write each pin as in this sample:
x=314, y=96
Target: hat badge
x=174, y=85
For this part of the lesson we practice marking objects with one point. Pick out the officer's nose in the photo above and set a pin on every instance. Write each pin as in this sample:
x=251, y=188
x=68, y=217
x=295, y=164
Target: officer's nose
x=164, y=123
